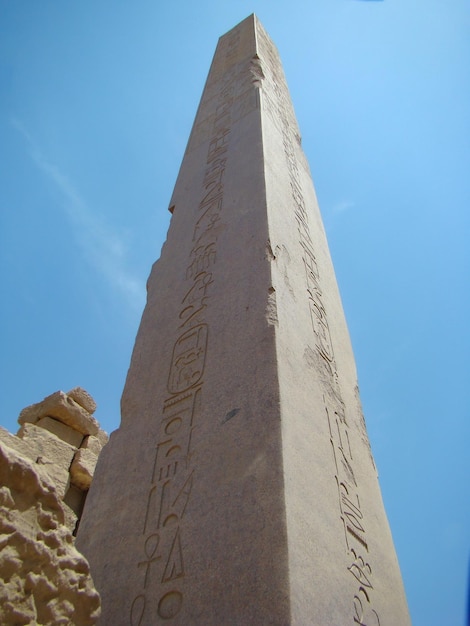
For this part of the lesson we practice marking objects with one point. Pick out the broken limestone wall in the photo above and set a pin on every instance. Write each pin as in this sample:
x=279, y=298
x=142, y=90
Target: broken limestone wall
x=43, y=578
x=61, y=435
x=45, y=472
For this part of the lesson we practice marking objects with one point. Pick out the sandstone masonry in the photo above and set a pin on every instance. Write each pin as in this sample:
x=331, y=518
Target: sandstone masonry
x=45, y=473
x=44, y=580
x=61, y=436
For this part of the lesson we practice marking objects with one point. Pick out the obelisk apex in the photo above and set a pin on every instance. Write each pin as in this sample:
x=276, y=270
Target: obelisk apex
x=240, y=488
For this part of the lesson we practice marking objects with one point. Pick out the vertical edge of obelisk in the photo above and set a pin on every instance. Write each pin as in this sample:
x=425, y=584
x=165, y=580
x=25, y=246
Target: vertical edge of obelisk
x=343, y=565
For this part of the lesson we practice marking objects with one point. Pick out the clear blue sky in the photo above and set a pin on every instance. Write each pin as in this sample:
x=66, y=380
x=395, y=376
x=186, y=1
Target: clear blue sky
x=97, y=101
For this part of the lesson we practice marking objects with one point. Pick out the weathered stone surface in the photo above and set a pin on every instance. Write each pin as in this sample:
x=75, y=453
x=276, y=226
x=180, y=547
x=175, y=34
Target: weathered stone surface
x=103, y=437
x=239, y=488
x=33, y=450
x=61, y=430
x=93, y=444
x=43, y=578
x=47, y=450
x=45, y=447
x=14, y=442
x=75, y=499
x=60, y=476
x=83, y=468
x=82, y=398
x=63, y=408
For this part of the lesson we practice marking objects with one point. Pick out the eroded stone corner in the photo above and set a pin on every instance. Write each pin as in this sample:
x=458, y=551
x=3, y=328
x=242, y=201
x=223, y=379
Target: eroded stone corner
x=43, y=578
x=45, y=472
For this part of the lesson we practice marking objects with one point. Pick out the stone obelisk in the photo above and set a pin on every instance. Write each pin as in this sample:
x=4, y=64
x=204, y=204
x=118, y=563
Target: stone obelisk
x=240, y=488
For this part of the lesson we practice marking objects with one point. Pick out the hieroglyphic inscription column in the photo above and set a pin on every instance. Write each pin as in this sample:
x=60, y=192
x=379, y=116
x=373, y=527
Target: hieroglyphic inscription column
x=240, y=487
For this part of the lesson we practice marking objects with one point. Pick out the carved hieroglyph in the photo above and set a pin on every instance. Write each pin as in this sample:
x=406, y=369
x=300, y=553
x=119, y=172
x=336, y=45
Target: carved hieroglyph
x=240, y=487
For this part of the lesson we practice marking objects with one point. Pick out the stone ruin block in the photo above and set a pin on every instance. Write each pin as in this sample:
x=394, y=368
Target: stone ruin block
x=43, y=578
x=61, y=430
x=52, y=433
x=83, y=468
x=83, y=398
x=63, y=408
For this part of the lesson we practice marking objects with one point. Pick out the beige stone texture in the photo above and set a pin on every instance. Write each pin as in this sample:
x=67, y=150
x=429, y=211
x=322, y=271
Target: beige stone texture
x=60, y=476
x=82, y=398
x=63, y=408
x=83, y=468
x=93, y=444
x=14, y=442
x=239, y=488
x=66, y=433
x=52, y=445
x=34, y=449
x=47, y=450
x=75, y=499
x=103, y=437
x=44, y=580
x=45, y=445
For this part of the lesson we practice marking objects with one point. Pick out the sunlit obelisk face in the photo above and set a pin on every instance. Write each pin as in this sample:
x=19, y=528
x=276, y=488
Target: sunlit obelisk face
x=240, y=487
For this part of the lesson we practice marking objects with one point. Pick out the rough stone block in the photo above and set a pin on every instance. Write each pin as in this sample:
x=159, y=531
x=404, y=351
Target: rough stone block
x=43, y=578
x=71, y=517
x=50, y=453
x=59, y=476
x=14, y=442
x=63, y=408
x=47, y=446
x=83, y=468
x=93, y=444
x=82, y=398
x=75, y=499
x=103, y=437
x=33, y=451
x=61, y=430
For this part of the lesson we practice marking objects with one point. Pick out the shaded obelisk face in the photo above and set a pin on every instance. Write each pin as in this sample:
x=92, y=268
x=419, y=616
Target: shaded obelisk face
x=240, y=488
